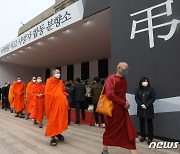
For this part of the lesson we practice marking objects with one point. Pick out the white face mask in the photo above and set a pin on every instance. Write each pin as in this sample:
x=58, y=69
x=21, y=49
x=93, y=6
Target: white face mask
x=57, y=76
x=145, y=84
x=39, y=80
x=19, y=81
x=34, y=81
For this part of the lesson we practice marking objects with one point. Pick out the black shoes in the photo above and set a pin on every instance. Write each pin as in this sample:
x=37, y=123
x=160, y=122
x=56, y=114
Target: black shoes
x=60, y=137
x=53, y=142
x=142, y=139
x=17, y=115
x=149, y=141
x=35, y=122
x=40, y=126
x=27, y=117
x=77, y=122
x=105, y=152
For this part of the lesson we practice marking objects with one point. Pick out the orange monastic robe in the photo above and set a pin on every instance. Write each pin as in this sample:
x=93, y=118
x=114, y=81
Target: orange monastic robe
x=19, y=90
x=11, y=97
x=38, y=108
x=29, y=95
x=56, y=107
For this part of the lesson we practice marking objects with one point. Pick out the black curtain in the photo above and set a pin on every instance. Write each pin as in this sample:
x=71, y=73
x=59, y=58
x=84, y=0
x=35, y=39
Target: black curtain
x=85, y=71
x=47, y=74
x=70, y=72
x=103, y=68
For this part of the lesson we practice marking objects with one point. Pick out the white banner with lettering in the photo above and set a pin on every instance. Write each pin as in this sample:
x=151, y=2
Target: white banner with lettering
x=66, y=17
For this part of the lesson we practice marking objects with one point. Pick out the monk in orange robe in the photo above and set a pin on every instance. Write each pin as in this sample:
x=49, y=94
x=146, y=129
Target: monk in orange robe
x=11, y=98
x=29, y=96
x=38, y=105
x=19, y=89
x=56, y=107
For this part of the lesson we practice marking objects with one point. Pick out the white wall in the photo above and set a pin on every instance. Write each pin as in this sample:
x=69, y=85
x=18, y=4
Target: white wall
x=9, y=73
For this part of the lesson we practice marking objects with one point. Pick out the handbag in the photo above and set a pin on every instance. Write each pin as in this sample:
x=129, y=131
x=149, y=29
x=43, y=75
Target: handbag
x=105, y=105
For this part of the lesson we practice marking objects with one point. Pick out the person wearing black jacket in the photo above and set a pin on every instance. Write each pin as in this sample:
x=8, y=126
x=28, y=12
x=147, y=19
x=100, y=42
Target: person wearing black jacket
x=5, y=101
x=96, y=91
x=69, y=90
x=145, y=97
x=79, y=91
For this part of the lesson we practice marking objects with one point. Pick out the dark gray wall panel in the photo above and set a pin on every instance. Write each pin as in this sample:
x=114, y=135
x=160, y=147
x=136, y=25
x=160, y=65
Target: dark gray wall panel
x=160, y=63
x=93, y=6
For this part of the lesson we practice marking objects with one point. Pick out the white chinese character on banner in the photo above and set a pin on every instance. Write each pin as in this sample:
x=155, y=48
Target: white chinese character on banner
x=150, y=18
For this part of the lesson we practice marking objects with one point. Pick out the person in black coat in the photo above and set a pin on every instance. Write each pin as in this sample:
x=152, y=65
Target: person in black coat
x=96, y=91
x=5, y=101
x=69, y=90
x=145, y=97
x=79, y=91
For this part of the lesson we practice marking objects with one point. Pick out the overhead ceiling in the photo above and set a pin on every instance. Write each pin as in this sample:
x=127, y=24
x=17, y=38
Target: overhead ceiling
x=86, y=40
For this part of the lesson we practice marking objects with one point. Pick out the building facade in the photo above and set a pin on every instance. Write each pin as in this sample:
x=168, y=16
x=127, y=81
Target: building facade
x=144, y=34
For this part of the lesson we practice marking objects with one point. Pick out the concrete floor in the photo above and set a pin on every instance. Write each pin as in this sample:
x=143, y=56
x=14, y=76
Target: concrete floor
x=20, y=136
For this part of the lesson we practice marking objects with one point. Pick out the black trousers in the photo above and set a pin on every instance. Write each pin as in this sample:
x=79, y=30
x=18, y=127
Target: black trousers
x=149, y=126
x=69, y=116
x=7, y=104
x=96, y=115
x=80, y=105
x=3, y=103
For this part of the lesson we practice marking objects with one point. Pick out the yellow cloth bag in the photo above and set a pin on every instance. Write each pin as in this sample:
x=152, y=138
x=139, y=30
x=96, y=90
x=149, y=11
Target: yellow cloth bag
x=105, y=105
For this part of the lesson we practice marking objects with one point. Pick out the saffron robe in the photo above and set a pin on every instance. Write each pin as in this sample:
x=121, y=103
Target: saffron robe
x=38, y=106
x=119, y=129
x=30, y=96
x=56, y=107
x=19, y=90
x=11, y=97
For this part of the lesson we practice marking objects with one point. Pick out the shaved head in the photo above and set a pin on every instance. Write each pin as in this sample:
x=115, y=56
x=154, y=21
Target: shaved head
x=55, y=71
x=33, y=78
x=122, y=66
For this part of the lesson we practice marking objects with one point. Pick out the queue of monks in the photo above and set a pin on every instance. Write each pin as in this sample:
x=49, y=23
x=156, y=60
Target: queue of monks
x=30, y=98
x=37, y=100
x=51, y=99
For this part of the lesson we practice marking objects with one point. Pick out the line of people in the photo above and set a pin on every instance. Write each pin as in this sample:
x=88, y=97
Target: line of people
x=56, y=100
x=4, y=92
x=37, y=99
x=30, y=99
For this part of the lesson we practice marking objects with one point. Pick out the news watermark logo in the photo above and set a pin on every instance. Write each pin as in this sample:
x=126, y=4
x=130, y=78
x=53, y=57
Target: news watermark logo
x=163, y=145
